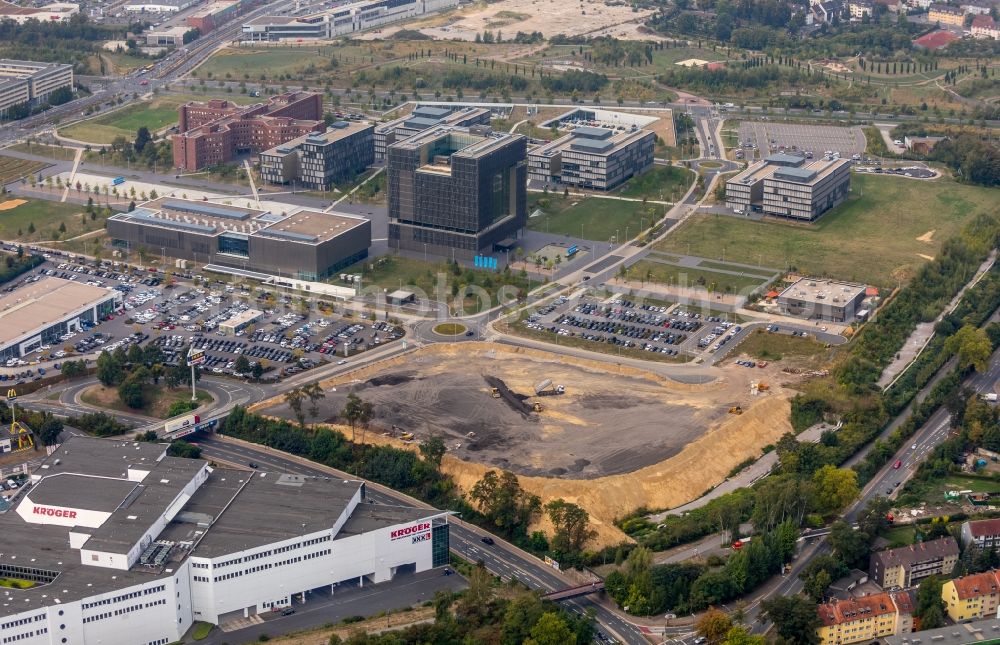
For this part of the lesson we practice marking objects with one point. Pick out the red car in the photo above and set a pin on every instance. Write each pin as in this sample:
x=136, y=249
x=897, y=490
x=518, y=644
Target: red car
x=897, y=464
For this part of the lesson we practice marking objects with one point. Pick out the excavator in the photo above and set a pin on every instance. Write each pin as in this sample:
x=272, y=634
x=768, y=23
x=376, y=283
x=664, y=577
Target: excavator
x=495, y=392
x=736, y=410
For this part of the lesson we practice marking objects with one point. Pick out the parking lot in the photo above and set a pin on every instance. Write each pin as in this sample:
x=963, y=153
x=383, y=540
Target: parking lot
x=767, y=138
x=915, y=172
x=177, y=313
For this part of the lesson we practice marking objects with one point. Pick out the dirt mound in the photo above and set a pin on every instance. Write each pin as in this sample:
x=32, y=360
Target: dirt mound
x=390, y=379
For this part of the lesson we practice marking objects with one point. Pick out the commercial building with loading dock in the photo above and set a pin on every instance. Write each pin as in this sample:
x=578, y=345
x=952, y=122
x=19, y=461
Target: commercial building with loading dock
x=304, y=244
x=784, y=185
x=117, y=543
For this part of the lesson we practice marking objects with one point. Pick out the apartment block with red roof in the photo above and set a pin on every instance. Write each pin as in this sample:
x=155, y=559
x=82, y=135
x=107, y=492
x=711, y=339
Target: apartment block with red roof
x=982, y=534
x=972, y=597
x=865, y=619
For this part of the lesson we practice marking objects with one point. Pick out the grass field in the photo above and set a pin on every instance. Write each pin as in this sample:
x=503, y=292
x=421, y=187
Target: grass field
x=159, y=399
x=12, y=168
x=590, y=218
x=774, y=347
x=156, y=114
x=46, y=217
x=664, y=183
x=45, y=150
x=872, y=238
x=671, y=274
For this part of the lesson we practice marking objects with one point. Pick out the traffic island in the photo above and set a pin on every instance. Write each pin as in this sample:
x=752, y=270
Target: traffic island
x=450, y=329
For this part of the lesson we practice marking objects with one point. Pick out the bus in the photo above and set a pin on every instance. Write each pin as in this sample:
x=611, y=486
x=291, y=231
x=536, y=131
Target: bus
x=117, y=181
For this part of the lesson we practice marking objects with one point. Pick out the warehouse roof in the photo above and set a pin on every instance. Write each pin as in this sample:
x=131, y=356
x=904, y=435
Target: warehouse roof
x=44, y=303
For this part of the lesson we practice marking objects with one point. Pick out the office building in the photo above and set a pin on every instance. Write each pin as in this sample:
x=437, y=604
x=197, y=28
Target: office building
x=456, y=191
x=128, y=546
x=27, y=82
x=340, y=20
x=241, y=321
x=216, y=131
x=305, y=244
x=319, y=160
x=906, y=566
x=424, y=117
x=982, y=534
x=217, y=13
x=946, y=15
x=972, y=597
x=816, y=299
x=41, y=312
x=55, y=12
x=593, y=158
x=789, y=186
x=864, y=619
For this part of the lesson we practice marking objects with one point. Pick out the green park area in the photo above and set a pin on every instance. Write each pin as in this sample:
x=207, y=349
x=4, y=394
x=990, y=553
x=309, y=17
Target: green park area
x=590, y=218
x=888, y=228
x=37, y=220
x=763, y=345
x=156, y=114
x=662, y=183
x=653, y=270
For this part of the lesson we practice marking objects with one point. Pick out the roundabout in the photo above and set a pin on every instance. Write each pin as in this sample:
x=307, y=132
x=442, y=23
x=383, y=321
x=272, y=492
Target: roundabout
x=450, y=329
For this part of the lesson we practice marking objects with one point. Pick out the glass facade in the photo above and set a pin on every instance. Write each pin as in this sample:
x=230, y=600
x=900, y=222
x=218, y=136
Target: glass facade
x=440, y=544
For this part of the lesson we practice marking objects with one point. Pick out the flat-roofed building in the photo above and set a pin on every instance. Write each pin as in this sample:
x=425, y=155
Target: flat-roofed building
x=241, y=321
x=216, y=131
x=424, y=117
x=592, y=157
x=127, y=545
x=865, y=619
x=305, y=244
x=906, y=566
x=456, y=191
x=158, y=6
x=23, y=81
x=39, y=313
x=340, y=20
x=788, y=186
x=817, y=299
x=319, y=160
x=55, y=12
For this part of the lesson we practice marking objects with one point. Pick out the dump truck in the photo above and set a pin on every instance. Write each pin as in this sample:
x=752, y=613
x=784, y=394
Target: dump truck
x=545, y=388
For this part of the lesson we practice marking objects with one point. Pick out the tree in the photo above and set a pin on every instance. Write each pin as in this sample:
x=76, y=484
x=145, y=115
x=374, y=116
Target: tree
x=257, y=370
x=849, y=545
x=49, y=429
x=130, y=393
x=433, y=450
x=109, y=370
x=314, y=392
x=713, y=625
x=834, y=488
x=930, y=607
x=504, y=503
x=294, y=399
x=572, y=526
x=794, y=618
x=740, y=636
x=242, y=365
x=972, y=346
x=551, y=629
x=356, y=412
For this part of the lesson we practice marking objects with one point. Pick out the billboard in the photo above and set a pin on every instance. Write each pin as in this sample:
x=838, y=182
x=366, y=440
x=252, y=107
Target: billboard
x=195, y=357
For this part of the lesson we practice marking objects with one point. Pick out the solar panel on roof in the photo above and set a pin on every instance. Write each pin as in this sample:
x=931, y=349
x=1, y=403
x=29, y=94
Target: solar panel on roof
x=148, y=218
x=207, y=209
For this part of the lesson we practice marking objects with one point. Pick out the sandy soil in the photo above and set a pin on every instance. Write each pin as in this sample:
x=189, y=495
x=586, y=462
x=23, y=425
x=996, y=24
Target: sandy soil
x=927, y=237
x=12, y=203
x=512, y=16
x=612, y=443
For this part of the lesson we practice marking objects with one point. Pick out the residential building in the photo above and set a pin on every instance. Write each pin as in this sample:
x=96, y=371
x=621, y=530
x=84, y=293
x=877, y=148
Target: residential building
x=41, y=312
x=906, y=566
x=865, y=619
x=818, y=299
x=826, y=11
x=977, y=7
x=23, y=81
x=216, y=131
x=861, y=8
x=304, y=244
x=593, y=158
x=946, y=15
x=972, y=597
x=456, y=191
x=424, y=117
x=985, y=27
x=980, y=631
x=340, y=20
x=126, y=545
x=784, y=185
x=55, y=12
x=319, y=160
x=982, y=534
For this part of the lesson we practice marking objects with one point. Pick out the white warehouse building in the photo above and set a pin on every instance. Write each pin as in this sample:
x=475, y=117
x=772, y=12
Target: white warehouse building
x=125, y=545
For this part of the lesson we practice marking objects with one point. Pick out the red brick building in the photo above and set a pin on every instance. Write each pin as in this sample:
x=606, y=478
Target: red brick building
x=216, y=131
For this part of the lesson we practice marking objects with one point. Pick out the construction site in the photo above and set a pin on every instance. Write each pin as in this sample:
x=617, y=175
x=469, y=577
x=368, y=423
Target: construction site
x=609, y=437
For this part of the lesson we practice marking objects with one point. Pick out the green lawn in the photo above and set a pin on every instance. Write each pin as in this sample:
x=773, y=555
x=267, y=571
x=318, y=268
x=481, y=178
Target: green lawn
x=156, y=114
x=12, y=168
x=664, y=183
x=45, y=150
x=591, y=218
x=872, y=238
x=773, y=347
x=46, y=217
x=692, y=277
x=726, y=266
x=901, y=536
